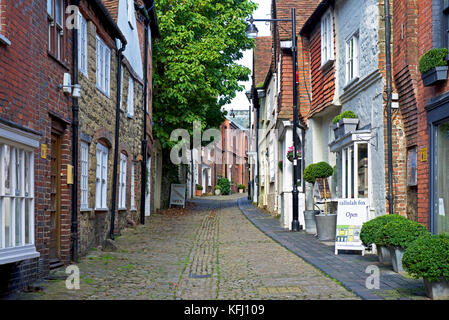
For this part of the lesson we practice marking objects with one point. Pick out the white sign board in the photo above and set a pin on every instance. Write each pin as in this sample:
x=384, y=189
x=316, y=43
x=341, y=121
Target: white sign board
x=351, y=215
x=178, y=195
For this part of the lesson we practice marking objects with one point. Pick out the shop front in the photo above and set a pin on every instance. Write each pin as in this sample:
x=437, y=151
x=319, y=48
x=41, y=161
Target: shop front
x=438, y=121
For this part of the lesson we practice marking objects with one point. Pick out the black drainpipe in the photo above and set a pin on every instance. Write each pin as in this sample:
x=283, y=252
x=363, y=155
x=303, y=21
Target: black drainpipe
x=117, y=141
x=143, y=185
x=75, y=128
x=390, y=196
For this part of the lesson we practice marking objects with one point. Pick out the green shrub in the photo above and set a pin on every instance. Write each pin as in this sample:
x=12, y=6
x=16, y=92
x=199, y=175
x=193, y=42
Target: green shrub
x=401, y=233
x=370, y=229
x=217, y=187
x=241, y=186
x=225, y=186
x=346, y=115
x=199, y=187
x=316, y=171
x=435, y=57
x=428, y=257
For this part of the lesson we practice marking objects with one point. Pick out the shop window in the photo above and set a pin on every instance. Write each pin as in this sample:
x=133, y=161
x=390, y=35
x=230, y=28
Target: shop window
x=354, y=167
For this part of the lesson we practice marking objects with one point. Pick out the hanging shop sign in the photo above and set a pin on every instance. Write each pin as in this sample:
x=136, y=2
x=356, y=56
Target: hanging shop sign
x=351, y=214
x=178, y=195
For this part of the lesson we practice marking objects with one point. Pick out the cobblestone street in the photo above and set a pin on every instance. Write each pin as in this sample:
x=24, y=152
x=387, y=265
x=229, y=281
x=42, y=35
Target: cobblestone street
x=209, y=251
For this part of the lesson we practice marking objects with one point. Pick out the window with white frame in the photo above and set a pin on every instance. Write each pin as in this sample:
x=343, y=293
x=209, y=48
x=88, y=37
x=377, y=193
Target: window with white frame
x=82, y=44
x=101, y=177
x=84, y=175
x=55, y=15
x=354, y=170
x=133, y=192
x=131, y=97
x=122, y=182
x=103, y=67
x=352, y=58
x=327, y=38
x=16, y=198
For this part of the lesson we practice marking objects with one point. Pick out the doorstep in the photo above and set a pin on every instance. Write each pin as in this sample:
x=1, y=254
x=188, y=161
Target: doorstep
x=348, y=268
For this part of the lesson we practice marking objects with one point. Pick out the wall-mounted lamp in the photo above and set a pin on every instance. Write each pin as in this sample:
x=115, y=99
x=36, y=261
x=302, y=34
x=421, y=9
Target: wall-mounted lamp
x=67, y=87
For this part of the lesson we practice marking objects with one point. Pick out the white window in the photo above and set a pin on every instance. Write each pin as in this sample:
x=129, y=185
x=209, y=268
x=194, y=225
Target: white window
x=55, y=15
x=84, y=175
x=103, y=67
x=131, y=97
x=133, y=192
x=122, y=182
x=354, y=169
x=102, y=177
x=82, y=44
x=16, y=197
x=327, y=38
x=352, y=58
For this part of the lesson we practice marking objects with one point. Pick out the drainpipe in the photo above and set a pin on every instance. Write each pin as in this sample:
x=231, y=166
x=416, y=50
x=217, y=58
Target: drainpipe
x=143, y=185
x=75, y=129
x=117, y=137
x=389, y=97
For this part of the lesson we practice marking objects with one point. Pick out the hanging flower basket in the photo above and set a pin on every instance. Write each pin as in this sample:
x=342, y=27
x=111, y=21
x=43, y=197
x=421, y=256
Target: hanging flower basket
x=290, y=153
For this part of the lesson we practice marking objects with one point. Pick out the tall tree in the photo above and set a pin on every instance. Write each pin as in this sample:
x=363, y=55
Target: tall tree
x=195, y=68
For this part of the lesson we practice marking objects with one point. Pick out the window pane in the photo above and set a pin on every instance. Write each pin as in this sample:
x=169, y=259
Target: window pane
x=27, y=221
x=351, y=175
x=7, y=222
x=443, y=178
x=18, y=226
x=7, y=170
x=362, y=161
x=58, y=11
x=50, y=7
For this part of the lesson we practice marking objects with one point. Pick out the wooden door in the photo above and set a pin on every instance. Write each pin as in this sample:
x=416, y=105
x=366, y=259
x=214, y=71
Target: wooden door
x=55, y=198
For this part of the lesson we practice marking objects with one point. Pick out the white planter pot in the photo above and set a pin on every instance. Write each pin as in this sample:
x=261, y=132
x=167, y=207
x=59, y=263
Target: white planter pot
x=240, y=190
x=384, y=255
x=396, y=258
x=217, y=192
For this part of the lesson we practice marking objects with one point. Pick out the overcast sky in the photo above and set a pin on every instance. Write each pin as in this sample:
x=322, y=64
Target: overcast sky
x=263, y=12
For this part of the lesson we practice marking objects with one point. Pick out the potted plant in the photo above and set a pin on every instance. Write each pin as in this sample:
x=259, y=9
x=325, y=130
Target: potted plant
x=369, y=235
x=344, y=123
x=325, y=223
x=309, y=215
x=290, y=153
x=433, y=66
x=427, y=258
x=241, y=188
x=199, y=190
x=397, y=235
x=217, y=190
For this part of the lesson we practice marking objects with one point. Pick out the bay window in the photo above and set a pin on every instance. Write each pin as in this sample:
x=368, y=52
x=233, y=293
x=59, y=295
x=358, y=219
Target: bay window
x=16, y=196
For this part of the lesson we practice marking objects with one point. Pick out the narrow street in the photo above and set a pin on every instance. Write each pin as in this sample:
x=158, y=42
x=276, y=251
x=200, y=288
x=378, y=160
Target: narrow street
x=207, y=251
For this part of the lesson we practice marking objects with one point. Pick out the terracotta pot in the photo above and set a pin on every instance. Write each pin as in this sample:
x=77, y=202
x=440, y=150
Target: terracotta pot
x=199, y=193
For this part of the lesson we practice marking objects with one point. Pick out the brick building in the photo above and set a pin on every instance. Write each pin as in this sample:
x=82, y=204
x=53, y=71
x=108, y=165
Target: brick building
x=35, y=140
x=418, y=27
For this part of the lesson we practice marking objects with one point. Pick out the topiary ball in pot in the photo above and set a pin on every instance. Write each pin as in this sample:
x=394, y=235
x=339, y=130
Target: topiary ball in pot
x=369, y=233
x=428, y=258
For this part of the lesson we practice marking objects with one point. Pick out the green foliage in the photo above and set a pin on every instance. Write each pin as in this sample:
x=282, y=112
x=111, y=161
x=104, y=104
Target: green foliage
x=370, y=229
x=316, y=171
x=401, y=233
x=217, y=187
x=199, y=187
x=428, y=257
x=241, y=186
x=345, y=115
x=225, y=186
x=195, y=62
x=281, y=165
x=435, y=57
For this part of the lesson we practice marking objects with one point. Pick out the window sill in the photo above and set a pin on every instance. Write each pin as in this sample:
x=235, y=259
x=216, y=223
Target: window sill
x=351, y=83
x=58, y=61
x=101, y=210
x=86, y=209
x=103, y=92
x=4, y=40
x=133, y=209
x=130, y=116
x=122, y=209
x=327, y=65
x=10, y=255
